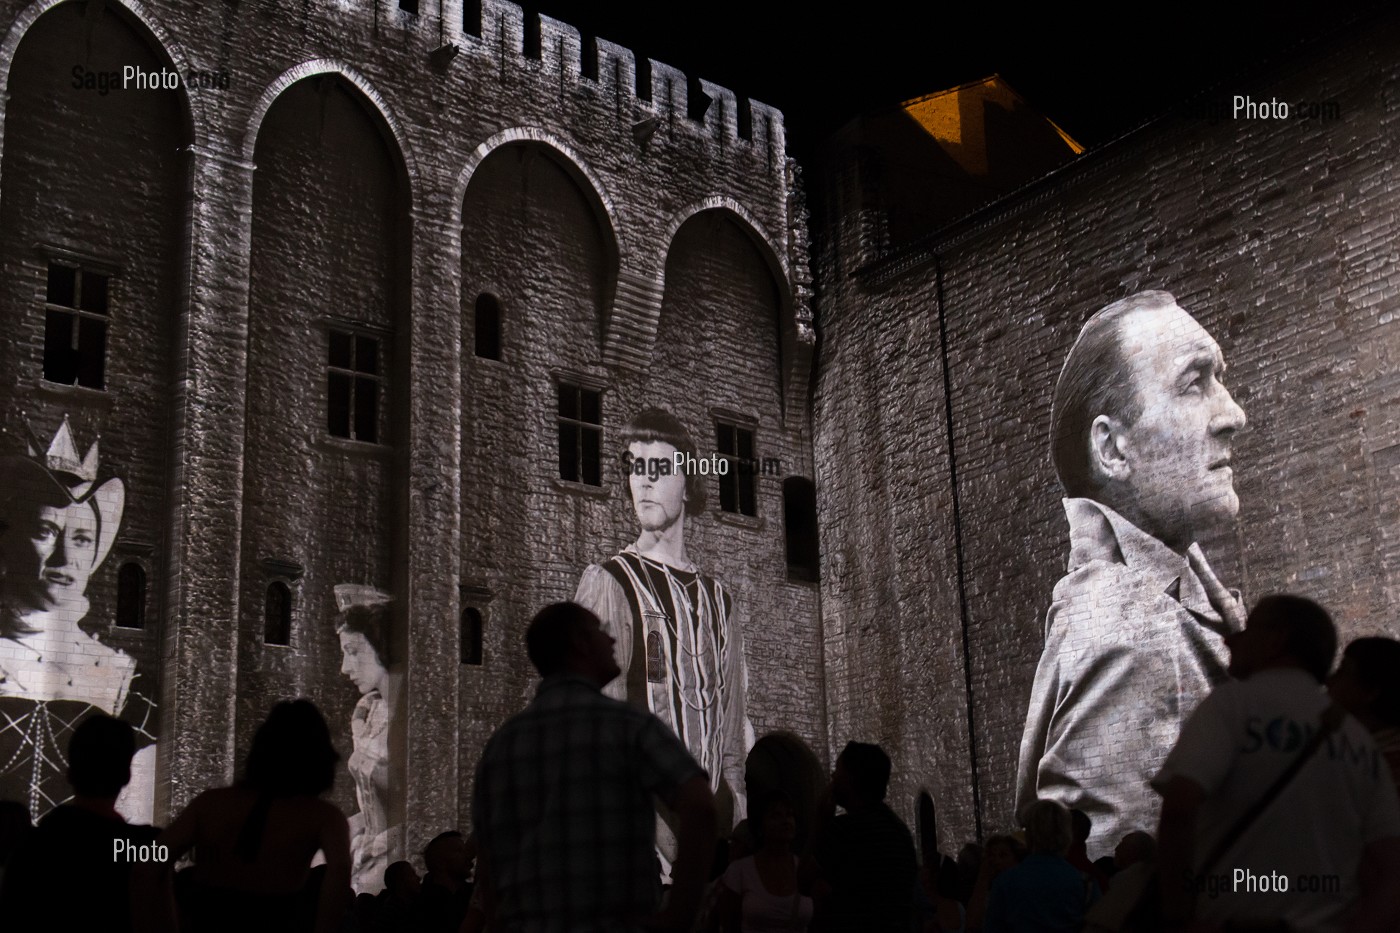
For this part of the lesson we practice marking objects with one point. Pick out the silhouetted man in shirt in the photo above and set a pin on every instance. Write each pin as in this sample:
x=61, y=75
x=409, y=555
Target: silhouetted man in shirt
x=563, y=803
x=866, y=855
x=1337, y=818
x=74, y=870
x=445, y=891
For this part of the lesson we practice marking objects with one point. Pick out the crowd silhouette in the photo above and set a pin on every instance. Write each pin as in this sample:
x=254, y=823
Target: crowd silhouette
x=560, y=784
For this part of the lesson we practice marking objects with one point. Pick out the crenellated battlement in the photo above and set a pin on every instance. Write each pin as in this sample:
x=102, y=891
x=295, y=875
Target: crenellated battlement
x=360, y=252
x=435, y=42
x=542, y=46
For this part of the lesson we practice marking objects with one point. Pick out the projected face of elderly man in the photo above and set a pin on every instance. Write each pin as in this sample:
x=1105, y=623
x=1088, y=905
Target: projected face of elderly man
x=1163, y=459
x=1141, y=437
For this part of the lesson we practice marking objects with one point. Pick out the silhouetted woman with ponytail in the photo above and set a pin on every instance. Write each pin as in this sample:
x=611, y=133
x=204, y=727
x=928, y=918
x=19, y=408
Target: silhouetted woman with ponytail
x=253, y=843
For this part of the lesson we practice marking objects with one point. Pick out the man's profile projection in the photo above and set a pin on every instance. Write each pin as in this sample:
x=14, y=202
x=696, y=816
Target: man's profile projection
x=1141, y=433
x=678, y=639
x=57, y=526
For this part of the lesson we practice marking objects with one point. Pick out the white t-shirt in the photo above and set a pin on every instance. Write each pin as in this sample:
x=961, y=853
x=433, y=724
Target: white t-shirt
x=1299, y=859
x=761, y=912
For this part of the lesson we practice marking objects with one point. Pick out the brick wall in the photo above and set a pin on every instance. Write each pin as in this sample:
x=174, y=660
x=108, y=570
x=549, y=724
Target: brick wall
x=95, y=181
x=329, y=220
x=1278, y=236
x=535, y=240
x=340, y=173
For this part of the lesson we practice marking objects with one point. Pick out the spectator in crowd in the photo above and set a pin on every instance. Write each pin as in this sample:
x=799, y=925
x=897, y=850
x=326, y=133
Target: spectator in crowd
x=1001, y=853
x=1078, y=856
x=1106, y=868
x=941, y=911
x=781, y=762
x=563, y=800
x=1135, y=848
x=1367, y=685
x=866, y=855
x=254, y=842
x=969, y=867
x=761, y=891
x=15, y=826
x=1134, y=861
x=396, y=906
x=1044, y=893
x=1337, y=818
x=83, y=843
x=446, y=892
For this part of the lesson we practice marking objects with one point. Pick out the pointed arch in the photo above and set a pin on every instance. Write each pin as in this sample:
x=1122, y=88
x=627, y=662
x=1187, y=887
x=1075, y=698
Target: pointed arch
x=588, y=182
x=196, y=127
x=774, y=252
x=575, y=165
x=321, y=66
x=795, y=352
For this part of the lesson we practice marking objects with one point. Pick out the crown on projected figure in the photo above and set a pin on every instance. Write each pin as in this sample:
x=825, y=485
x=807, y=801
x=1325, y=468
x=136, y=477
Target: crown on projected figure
x=56, y=475
x=354, y=595
x=62, y=456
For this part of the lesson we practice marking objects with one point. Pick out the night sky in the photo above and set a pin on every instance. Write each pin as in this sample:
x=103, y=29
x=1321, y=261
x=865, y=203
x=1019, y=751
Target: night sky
x=1097, y=76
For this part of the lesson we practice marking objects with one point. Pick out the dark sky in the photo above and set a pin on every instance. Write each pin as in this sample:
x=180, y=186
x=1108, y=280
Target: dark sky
x=1094, y=74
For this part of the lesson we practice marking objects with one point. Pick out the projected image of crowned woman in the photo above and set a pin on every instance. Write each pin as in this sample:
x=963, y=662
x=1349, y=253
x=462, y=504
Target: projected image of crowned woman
x=57, y=526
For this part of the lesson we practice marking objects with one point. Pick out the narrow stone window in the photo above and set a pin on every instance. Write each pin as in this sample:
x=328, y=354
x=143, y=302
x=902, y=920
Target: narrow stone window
x=75, y=327
x=697, y=102
x=533, y=44
x=588, y=58
x=353, y=386
x=744, y=116
x=471, y=631
x=131, y=596
x=580, y=434
x=488, y=327
x=800, y=529
x=644, y=79
x=471, y=17
x=409, y=6
x=737, y=487
x=277, y=614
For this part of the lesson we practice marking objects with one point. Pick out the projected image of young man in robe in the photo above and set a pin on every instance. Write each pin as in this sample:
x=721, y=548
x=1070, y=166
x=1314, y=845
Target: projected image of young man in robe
x=678, y=634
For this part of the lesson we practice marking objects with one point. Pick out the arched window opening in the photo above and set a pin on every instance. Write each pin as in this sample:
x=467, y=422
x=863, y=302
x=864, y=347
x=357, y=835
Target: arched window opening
x=800, y=528
x=471, y=625
x=277, y=614
x=488, y=327
x=927, y=824
x=131, y=596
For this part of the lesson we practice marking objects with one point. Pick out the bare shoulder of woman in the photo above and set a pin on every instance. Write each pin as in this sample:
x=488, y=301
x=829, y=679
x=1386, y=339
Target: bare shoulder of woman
x=333, y=830
x=194, y=822
x=213, y=801
x=329, y=819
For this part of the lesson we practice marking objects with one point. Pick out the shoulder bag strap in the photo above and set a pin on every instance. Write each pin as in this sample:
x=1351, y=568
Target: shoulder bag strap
x=1331, y=719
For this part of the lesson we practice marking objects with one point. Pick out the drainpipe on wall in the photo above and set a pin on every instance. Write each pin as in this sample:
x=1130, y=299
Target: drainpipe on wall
x=958, y=546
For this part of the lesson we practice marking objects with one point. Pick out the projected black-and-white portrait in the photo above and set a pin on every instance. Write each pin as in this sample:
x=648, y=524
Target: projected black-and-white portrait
x=677, y=631
x=377, y=829
x=1141, y=433
x=58, y=522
